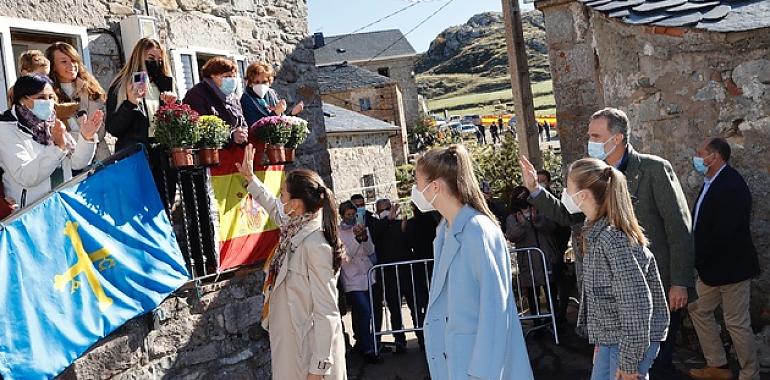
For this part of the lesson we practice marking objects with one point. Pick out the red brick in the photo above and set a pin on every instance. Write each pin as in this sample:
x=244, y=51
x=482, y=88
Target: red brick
x=732, y=88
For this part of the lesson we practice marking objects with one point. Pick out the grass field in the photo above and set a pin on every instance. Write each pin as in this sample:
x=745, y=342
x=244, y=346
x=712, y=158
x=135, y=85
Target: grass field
x=486, y=103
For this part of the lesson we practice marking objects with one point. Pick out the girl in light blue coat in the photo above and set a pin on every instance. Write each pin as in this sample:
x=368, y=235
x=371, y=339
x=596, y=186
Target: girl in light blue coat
x=472, y=329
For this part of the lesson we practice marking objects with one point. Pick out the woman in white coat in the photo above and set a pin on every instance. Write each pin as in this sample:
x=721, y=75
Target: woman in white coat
x=300, y=311
x=472, y=329
x=36, y=151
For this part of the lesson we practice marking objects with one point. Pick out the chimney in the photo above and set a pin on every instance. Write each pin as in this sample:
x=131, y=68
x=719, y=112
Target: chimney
x=318, y=40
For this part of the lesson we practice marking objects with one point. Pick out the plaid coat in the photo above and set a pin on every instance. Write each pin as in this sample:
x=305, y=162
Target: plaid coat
x=622, y=301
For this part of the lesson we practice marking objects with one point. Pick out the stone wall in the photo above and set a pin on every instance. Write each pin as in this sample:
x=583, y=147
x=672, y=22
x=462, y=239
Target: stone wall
x=274, y=31
x=402, y=70
x=387, y=105
x=208, y=333
x=356, y=155
x=678, y=87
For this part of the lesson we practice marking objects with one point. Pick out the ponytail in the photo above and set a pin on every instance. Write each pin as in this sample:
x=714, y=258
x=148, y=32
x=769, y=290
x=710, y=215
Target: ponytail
x=331, y=227
x=610, y=190
x=307, y=186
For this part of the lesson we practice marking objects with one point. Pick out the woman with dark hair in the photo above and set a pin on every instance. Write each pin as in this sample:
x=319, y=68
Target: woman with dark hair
x=479, y=337
x=72, y=83
x=300, y=311
x=216, y=95
x=36, y=151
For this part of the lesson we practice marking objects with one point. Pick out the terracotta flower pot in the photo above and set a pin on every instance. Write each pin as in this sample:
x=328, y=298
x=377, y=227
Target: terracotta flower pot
x=259, y=152
x=289, y=154
x=275, y=154
x=182, y=157
x=208, y=157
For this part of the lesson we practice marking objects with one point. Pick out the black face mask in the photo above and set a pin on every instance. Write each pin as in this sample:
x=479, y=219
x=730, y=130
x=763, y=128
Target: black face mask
x=154, y=68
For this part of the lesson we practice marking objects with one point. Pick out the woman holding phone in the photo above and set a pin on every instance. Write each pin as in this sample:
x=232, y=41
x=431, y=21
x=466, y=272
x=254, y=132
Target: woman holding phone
x=136, y=93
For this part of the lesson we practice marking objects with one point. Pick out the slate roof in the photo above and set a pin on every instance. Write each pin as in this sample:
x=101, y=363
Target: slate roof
x=338, y=78
x=711, y=15
x=363, y=47
x=341, y=120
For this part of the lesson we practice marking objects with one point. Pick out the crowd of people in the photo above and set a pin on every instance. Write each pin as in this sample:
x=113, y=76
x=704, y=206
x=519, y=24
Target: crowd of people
x=643, y=256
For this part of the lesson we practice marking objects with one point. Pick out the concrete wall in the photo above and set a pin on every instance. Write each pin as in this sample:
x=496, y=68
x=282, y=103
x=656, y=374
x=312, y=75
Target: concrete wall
x=210, y=333
x=274, y=31
x=402, y=70
x=356, y=155
x=678, y=87
x=387, y=105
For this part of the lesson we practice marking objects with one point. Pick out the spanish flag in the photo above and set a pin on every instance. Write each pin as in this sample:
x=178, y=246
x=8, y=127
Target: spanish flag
x=245, y=233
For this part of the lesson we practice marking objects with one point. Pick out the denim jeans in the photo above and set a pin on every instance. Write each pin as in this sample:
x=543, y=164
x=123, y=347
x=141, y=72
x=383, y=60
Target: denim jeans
x=606, y=362
x=362, y=326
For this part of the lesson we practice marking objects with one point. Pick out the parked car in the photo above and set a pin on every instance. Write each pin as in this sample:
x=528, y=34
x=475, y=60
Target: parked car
x=472, y=119
x=466, y=130
x=455, y=118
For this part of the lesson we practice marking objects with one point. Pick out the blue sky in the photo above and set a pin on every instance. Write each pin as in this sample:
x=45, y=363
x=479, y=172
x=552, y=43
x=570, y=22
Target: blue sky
x=334, y=17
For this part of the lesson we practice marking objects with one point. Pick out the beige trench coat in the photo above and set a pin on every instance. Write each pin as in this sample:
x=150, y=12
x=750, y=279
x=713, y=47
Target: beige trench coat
x=304, y=322
x=90, y=106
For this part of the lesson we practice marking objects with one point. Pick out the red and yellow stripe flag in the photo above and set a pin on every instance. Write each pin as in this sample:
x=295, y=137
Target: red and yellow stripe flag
x=244, y=232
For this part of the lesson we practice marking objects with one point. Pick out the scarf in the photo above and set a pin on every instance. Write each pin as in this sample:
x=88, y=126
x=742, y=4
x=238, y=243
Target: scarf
x=282, y=254
x=29, y=123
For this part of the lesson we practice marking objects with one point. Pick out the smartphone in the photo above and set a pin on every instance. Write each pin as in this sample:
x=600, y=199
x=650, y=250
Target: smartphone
x=140, y=77
x=360, y=217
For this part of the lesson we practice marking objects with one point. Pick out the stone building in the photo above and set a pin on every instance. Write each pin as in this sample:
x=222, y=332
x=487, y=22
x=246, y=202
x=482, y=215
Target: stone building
x=682, y=71
x=360, y=153
x=385, y=52
x=274, y=31
x=212, y=331
x=369, y=94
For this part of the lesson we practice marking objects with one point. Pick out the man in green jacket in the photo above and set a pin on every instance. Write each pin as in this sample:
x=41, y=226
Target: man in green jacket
x=660, y=207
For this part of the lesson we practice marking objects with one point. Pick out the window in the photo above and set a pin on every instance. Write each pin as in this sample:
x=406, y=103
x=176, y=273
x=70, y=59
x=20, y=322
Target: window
x=188, y=63
x=19, y=35
x=384, y=71
x=365, y=104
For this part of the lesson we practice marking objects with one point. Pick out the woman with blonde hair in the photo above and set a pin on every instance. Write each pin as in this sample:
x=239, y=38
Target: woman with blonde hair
x=258, y=99
x=300, y=311
x=131, y=104
x=623, y=308
x=471, y=328
x=72, y=83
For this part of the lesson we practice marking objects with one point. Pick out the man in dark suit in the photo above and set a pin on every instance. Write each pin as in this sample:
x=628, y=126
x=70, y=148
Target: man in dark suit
x=726, y=260
x=659, y=205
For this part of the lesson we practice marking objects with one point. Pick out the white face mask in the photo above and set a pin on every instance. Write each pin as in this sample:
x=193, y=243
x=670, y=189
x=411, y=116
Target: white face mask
x=419, y=200
x=543, y=185
x=260, y=89
x=282, y=210
x=569, y=203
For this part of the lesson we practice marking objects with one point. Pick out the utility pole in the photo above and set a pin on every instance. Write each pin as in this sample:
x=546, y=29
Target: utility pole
x=526, y=125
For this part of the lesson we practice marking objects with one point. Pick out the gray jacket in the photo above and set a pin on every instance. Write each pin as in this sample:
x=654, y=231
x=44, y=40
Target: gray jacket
x=660, y=207
x=622, y=301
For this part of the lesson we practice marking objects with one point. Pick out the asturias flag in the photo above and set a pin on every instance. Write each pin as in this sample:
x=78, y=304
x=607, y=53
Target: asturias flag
x=81, y=263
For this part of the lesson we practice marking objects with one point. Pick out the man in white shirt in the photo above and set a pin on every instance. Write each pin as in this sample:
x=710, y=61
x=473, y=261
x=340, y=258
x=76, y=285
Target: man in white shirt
x=726, y=260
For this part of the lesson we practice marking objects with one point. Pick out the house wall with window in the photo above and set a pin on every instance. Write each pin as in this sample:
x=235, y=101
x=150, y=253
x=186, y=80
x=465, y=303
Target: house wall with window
x=273, y=31
x=211, y=331
x=400, y=69
x=385, y=104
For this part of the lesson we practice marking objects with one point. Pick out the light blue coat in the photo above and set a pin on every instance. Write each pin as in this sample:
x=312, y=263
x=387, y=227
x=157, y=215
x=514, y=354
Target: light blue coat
x=472, y=329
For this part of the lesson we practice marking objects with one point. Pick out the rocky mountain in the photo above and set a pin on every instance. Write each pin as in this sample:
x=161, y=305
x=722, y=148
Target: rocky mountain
x=478, y=48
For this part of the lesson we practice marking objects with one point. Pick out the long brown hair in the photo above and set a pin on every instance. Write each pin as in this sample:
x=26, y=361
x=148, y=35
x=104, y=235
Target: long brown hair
x=136, y=63
x=307, y=186
x=92, y=86
x=609, y=189
x=453, y=165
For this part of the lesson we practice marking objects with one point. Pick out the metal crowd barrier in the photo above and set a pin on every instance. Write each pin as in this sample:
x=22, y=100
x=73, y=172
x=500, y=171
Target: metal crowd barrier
x=533, y=313
x=418, y=304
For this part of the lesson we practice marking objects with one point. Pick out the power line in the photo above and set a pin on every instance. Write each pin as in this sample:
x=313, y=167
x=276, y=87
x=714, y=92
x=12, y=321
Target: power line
x=372, y=23
x=410, y=30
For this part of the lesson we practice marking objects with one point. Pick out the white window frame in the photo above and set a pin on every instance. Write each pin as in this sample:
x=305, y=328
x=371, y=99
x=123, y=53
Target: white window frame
x=193, y=51
x=7, y=24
